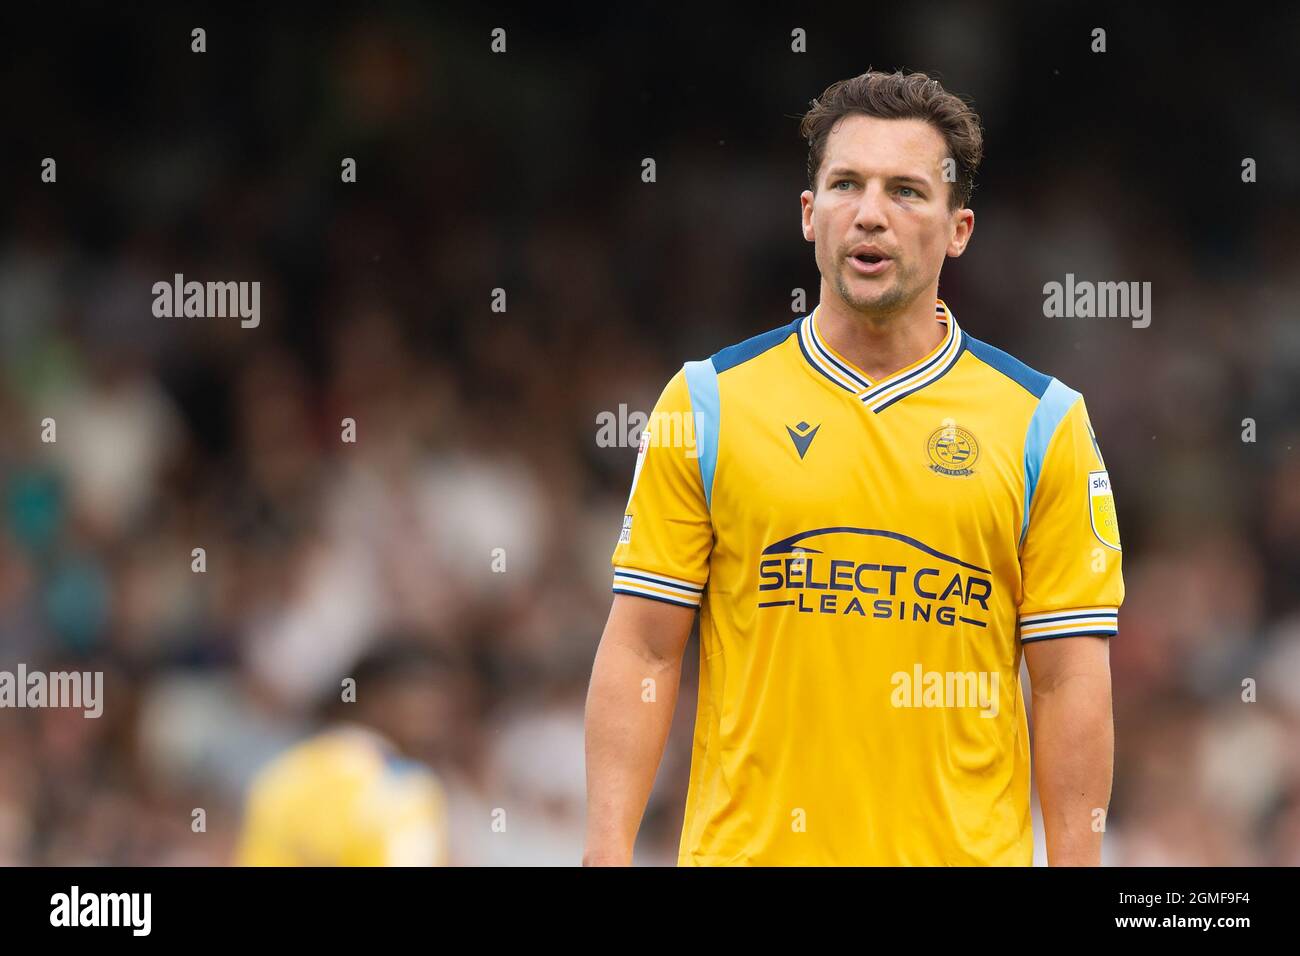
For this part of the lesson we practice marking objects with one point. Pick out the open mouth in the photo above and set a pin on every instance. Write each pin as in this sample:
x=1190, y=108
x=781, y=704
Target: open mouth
x=868, y=263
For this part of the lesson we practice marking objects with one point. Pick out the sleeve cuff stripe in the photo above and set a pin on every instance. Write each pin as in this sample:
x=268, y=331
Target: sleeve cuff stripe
x=641, y=587
x=1078, y=627
x=1071, y=613
x=659, y=580
x=1094, y=632
x=655, y=597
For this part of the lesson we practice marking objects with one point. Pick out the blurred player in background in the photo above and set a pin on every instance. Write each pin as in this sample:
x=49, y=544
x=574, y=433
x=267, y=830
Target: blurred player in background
x=361, y=792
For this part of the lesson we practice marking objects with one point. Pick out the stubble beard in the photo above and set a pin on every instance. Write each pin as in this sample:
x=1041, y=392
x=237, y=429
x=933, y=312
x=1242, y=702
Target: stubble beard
x=887, y=301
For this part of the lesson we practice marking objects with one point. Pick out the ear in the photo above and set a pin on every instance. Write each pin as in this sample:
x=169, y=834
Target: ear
x=806, y=212
x=962, y=230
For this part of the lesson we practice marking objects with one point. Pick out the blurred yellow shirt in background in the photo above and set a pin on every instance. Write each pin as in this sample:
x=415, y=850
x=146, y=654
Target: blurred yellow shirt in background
x=344, y=798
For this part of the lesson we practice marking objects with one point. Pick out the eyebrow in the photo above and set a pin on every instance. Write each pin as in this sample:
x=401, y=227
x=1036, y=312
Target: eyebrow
x=840, y=171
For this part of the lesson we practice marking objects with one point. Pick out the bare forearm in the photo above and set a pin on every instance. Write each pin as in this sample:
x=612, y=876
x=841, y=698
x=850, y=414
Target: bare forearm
x=1074, y=750
x=629, y=712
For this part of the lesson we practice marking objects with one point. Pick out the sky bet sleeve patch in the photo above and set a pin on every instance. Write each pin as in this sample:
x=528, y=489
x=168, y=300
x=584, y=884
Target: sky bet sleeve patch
x=1101, y=508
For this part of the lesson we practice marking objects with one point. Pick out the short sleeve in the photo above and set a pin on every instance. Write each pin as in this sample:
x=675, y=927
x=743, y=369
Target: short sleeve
x=667, y=535
x=1070, y=559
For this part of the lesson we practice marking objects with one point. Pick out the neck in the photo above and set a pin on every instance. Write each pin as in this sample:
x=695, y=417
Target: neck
x=882, y=343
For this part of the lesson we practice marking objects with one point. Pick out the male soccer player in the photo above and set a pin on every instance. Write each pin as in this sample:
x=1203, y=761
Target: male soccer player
x=875, y=514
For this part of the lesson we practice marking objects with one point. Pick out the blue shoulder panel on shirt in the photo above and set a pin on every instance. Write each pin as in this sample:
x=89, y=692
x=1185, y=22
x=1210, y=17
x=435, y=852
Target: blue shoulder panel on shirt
x=702, y=383
x=741, y=352
x=1056, y=401
x=1032, y=381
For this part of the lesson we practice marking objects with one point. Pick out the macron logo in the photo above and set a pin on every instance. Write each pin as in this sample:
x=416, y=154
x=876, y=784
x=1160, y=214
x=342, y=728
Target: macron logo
x=802, y=437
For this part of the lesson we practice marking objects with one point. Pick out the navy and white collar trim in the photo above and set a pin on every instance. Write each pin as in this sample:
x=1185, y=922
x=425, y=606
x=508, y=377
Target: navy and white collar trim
x=878, y=396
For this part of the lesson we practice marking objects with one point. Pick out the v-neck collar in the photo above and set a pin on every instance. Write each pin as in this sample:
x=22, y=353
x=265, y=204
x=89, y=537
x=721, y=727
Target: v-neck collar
x=879, y=395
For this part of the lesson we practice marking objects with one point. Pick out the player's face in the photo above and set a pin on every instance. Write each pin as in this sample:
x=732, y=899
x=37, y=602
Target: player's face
x=881, y=184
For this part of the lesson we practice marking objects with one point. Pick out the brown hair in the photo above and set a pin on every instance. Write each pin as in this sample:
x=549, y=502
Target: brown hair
x=899, y=96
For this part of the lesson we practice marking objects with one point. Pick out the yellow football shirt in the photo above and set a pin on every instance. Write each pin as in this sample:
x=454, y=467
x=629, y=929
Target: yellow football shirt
x=344, y=798
x=868, y=558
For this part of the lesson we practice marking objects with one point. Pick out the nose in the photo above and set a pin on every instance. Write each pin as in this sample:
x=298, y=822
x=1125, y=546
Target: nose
x=871, y=208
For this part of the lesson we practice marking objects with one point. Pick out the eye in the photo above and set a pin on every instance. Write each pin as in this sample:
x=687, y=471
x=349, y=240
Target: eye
x=908, y=189
x=840, y=182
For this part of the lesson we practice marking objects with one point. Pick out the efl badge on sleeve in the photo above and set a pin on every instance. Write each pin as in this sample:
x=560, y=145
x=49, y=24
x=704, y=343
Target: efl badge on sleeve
x=636, y=473
x=1101, y=508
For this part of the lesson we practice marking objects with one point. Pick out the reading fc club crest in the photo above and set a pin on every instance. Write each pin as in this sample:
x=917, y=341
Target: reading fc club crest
x=953, y=451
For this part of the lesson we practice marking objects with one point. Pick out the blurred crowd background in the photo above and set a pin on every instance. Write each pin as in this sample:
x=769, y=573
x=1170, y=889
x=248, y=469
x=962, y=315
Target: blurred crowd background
x=478, y=430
